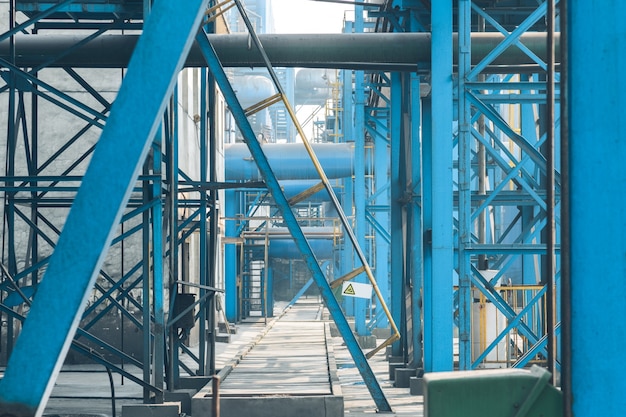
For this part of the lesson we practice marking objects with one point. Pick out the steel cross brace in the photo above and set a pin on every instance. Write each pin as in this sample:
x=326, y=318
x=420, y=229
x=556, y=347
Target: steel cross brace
x=290, y=219
x=82, y=247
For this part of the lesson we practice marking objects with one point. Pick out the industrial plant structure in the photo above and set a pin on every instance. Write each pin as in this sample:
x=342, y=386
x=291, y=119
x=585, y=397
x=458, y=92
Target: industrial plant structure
x=443, y=174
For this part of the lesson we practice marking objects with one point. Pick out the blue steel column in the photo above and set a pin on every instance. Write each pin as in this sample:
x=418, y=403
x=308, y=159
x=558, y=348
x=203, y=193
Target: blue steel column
x=157, y=271
x=360, y=222
x=464, y=187
x=438, y=354
x=230, y=257
x=415, y=223
x=90, y=226
x=397, y=244
x=596, y=86
x=203, y=365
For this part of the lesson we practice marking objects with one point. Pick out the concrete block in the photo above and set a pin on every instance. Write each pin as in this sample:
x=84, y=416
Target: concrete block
x=232, y=328
x=392, y=369
x=183, y=396
x=193, y=382
x=222, y=338
x=416, y=385
x=382, y=333
x=168, y=409
x=395, y=359
x=287, y=406
x=402, y=377
x=366, y=342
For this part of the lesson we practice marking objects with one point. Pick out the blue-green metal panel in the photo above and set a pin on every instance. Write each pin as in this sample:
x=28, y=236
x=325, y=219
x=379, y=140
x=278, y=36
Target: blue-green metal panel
x=438, y=285
x=292, y=224
x=596, y=86
x=88, y=231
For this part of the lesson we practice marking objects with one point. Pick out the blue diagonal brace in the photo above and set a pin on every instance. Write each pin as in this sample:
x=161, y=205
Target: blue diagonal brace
x=50, y=326
x=292, y=223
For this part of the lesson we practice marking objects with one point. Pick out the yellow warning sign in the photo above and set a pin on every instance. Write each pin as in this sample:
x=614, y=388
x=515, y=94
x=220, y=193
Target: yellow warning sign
x=349, y=290
x=356, y=289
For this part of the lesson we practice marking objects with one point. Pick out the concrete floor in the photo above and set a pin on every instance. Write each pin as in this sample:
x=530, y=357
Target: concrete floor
x=85, y=389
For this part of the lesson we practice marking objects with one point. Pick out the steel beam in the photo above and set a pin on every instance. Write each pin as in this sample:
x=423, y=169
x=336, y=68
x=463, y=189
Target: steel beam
x=400, y=51
x=88, y=231
x=438, y=305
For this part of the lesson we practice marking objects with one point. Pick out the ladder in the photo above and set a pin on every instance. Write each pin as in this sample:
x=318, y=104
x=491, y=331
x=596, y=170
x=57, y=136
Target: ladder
x=285, y=206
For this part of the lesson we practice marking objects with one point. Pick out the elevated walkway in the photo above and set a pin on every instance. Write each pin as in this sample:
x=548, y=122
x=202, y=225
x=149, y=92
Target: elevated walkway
x=289, y=370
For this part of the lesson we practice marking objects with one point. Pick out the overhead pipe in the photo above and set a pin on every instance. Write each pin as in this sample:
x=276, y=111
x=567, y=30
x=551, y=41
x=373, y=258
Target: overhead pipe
x=384, y=51
x=289, y=161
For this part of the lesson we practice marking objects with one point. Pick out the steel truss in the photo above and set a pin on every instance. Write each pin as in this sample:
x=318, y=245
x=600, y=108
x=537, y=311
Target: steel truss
x=502, y=173
x=42, y=182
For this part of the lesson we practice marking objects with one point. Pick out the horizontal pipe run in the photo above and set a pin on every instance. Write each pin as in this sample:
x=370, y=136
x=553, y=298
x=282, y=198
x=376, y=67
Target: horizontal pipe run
x=390, y=51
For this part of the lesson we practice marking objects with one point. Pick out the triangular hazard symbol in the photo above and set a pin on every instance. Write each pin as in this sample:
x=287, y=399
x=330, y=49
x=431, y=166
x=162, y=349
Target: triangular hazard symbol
x=349, y=290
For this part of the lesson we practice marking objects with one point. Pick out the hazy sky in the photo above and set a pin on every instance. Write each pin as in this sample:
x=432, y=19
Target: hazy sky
x=309, y=16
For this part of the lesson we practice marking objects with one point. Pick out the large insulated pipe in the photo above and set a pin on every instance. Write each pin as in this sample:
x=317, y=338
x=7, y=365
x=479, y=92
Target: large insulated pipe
x=289, y=161
x=391, y=51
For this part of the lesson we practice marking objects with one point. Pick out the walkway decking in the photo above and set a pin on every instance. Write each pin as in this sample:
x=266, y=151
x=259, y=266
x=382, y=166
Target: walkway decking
x=288, y=370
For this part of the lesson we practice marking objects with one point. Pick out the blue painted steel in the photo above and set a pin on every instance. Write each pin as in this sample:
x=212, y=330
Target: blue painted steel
x=596, y=87
x=397, y=191
x=360, y=224
x=438, y=303
x=157, y=271
x=415, y=234
x=230, y=257
x=92, y=221
x=292, y=223
x=427, y=225
x=464, y=182
x=291, y=160
x=203, y=350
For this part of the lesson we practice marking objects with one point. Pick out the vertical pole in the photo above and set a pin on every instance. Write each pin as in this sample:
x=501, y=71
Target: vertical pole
x=396, y=232
x=359, y=174
x=440, y=282
x=415, y=232
x=203, y=259
x=550, y=195
x=230, y=258
x=214, y=220
x=595, y=89
x=157, y=268
x=427, y=225
x=146, y=294
x=464, y=181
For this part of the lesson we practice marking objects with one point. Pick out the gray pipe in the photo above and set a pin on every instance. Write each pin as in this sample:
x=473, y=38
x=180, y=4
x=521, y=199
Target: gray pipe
x=388, y=51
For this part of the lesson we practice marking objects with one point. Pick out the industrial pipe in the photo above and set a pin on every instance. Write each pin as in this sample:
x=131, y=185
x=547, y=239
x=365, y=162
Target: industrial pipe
x=388, y=51
x=289, y=161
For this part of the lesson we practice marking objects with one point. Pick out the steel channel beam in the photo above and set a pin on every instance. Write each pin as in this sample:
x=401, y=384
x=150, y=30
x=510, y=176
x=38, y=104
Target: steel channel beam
x=400, y=51
x=92, y=221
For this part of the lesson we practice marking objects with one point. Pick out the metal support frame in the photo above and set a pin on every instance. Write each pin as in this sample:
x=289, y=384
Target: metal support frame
x=490, y=228
x=291, y=221
x=171, y=27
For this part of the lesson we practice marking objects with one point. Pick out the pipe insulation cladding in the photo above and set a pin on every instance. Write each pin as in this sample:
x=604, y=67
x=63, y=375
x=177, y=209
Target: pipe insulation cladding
x=385, y=51
x=289, y=161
